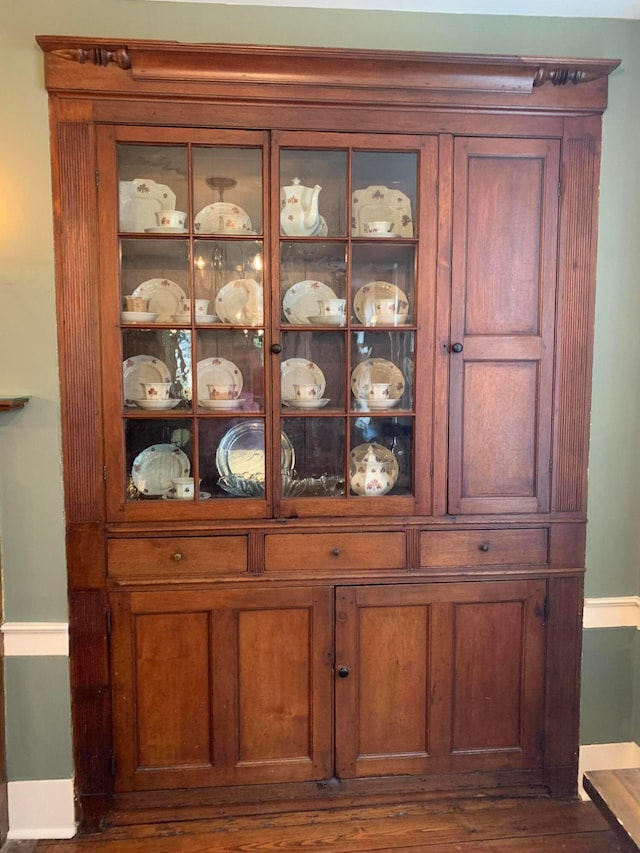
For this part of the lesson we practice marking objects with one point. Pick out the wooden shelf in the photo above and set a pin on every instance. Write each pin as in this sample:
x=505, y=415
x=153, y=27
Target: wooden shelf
x=7, y=404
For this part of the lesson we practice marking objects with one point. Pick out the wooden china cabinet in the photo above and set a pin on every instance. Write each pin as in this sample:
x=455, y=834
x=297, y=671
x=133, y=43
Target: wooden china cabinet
x=325, y=341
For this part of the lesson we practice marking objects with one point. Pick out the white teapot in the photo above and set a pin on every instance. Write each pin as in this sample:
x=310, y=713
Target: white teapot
x=374, y=471
x=299, y=213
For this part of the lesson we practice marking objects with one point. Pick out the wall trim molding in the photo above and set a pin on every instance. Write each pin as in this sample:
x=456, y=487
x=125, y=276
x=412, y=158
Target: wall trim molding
x=22, y=639
x=620, y=612
x=41, y=809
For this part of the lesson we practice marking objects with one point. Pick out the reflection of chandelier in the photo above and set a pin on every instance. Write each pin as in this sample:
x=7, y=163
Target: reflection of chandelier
x=222, y=261
x=220, y=183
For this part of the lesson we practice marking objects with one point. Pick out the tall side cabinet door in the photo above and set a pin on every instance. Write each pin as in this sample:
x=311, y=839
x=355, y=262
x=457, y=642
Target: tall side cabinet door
x=221, y=687
x=505, y=216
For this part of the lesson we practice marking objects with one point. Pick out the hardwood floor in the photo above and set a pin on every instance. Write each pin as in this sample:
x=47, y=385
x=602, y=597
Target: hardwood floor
x=483, y=825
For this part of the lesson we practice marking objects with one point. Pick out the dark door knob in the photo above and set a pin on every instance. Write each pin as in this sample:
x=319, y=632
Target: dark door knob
x=343, y=671
x=456, y=348
x=276, y=348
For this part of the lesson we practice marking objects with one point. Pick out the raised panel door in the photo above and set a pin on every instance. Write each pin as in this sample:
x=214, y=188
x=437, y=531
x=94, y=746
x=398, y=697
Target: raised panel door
x=439, y=678
x=505, y=208
x=221, y=687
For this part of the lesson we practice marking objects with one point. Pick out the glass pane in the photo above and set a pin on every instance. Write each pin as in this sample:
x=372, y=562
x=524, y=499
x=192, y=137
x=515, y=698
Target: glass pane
x=227, y=190
x=381, y=456
x=154, y=277
x=313, y=199
x=158, y=452
x=228, y=273
x=232, y=457
x=319, y=447
x=313, y=283
x=156, y=369
x=383, y=284
x=384, y=198
x=153, y=189
x=312, y=374
x=382, y=370
x=230, y=370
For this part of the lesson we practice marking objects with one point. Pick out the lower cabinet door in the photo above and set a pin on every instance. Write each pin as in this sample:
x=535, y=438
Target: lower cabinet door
x=439, y=677
x=222, y=687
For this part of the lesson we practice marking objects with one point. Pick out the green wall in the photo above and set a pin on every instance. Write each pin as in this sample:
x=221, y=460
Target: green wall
x=31, y=508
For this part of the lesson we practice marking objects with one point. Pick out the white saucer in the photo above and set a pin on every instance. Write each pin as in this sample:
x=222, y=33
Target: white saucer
x=203, y=496
x=157, y=404
x=383, y=236
x=205, y=319
x=220, y=405
x=138, y=316
x=328, y=320
x=378, y=404
x=182, y=319
x=235, y=232
x=307, y=404
x=166, y=229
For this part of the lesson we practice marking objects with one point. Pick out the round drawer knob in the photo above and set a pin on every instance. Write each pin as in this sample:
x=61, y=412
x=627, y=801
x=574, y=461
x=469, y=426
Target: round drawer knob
x=276, y=349
x=336, y=552
x=484, y=547
x=343, y=671
x=457, y=347
x=177, y=556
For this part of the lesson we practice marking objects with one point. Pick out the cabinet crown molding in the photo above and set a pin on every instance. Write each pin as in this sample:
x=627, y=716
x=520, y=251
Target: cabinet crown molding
x=409, y=75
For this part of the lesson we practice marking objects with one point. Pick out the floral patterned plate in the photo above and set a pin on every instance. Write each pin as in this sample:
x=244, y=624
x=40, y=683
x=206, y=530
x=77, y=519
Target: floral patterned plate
x=165, y=297
x=156, y=467
x=300, y=302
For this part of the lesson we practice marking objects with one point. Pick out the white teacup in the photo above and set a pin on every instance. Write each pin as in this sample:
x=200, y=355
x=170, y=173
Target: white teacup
x=386, y=310
x=201, y=306
x=171, y=218
x=234, y=222
x=377, y=391
x=185, y=488
x=307, y=392
x=222, y=391
x=156, y=390
x=333, y=307
x=137, y=303
x=379, y=226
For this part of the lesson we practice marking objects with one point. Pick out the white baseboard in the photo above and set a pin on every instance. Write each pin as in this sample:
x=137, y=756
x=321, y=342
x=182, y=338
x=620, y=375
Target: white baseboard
x=619, y=612
x=41, y=809
x=606, y=756
x=45, y=809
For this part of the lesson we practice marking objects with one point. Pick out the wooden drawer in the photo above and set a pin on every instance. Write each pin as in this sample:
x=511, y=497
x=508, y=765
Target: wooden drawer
x=483, y=547
x=328, y=551
x=211, y=555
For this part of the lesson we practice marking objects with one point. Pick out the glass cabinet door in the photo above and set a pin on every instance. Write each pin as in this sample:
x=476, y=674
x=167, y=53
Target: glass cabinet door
x=349, y=281
x=191, y=319
x=267, y=332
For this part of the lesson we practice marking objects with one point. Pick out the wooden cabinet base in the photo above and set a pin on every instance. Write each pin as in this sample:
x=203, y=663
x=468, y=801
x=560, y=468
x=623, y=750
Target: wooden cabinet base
x=158, y=806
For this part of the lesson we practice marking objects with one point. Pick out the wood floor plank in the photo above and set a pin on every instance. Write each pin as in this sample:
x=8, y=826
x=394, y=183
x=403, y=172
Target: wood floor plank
x=536, y=825
x=616, y=793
